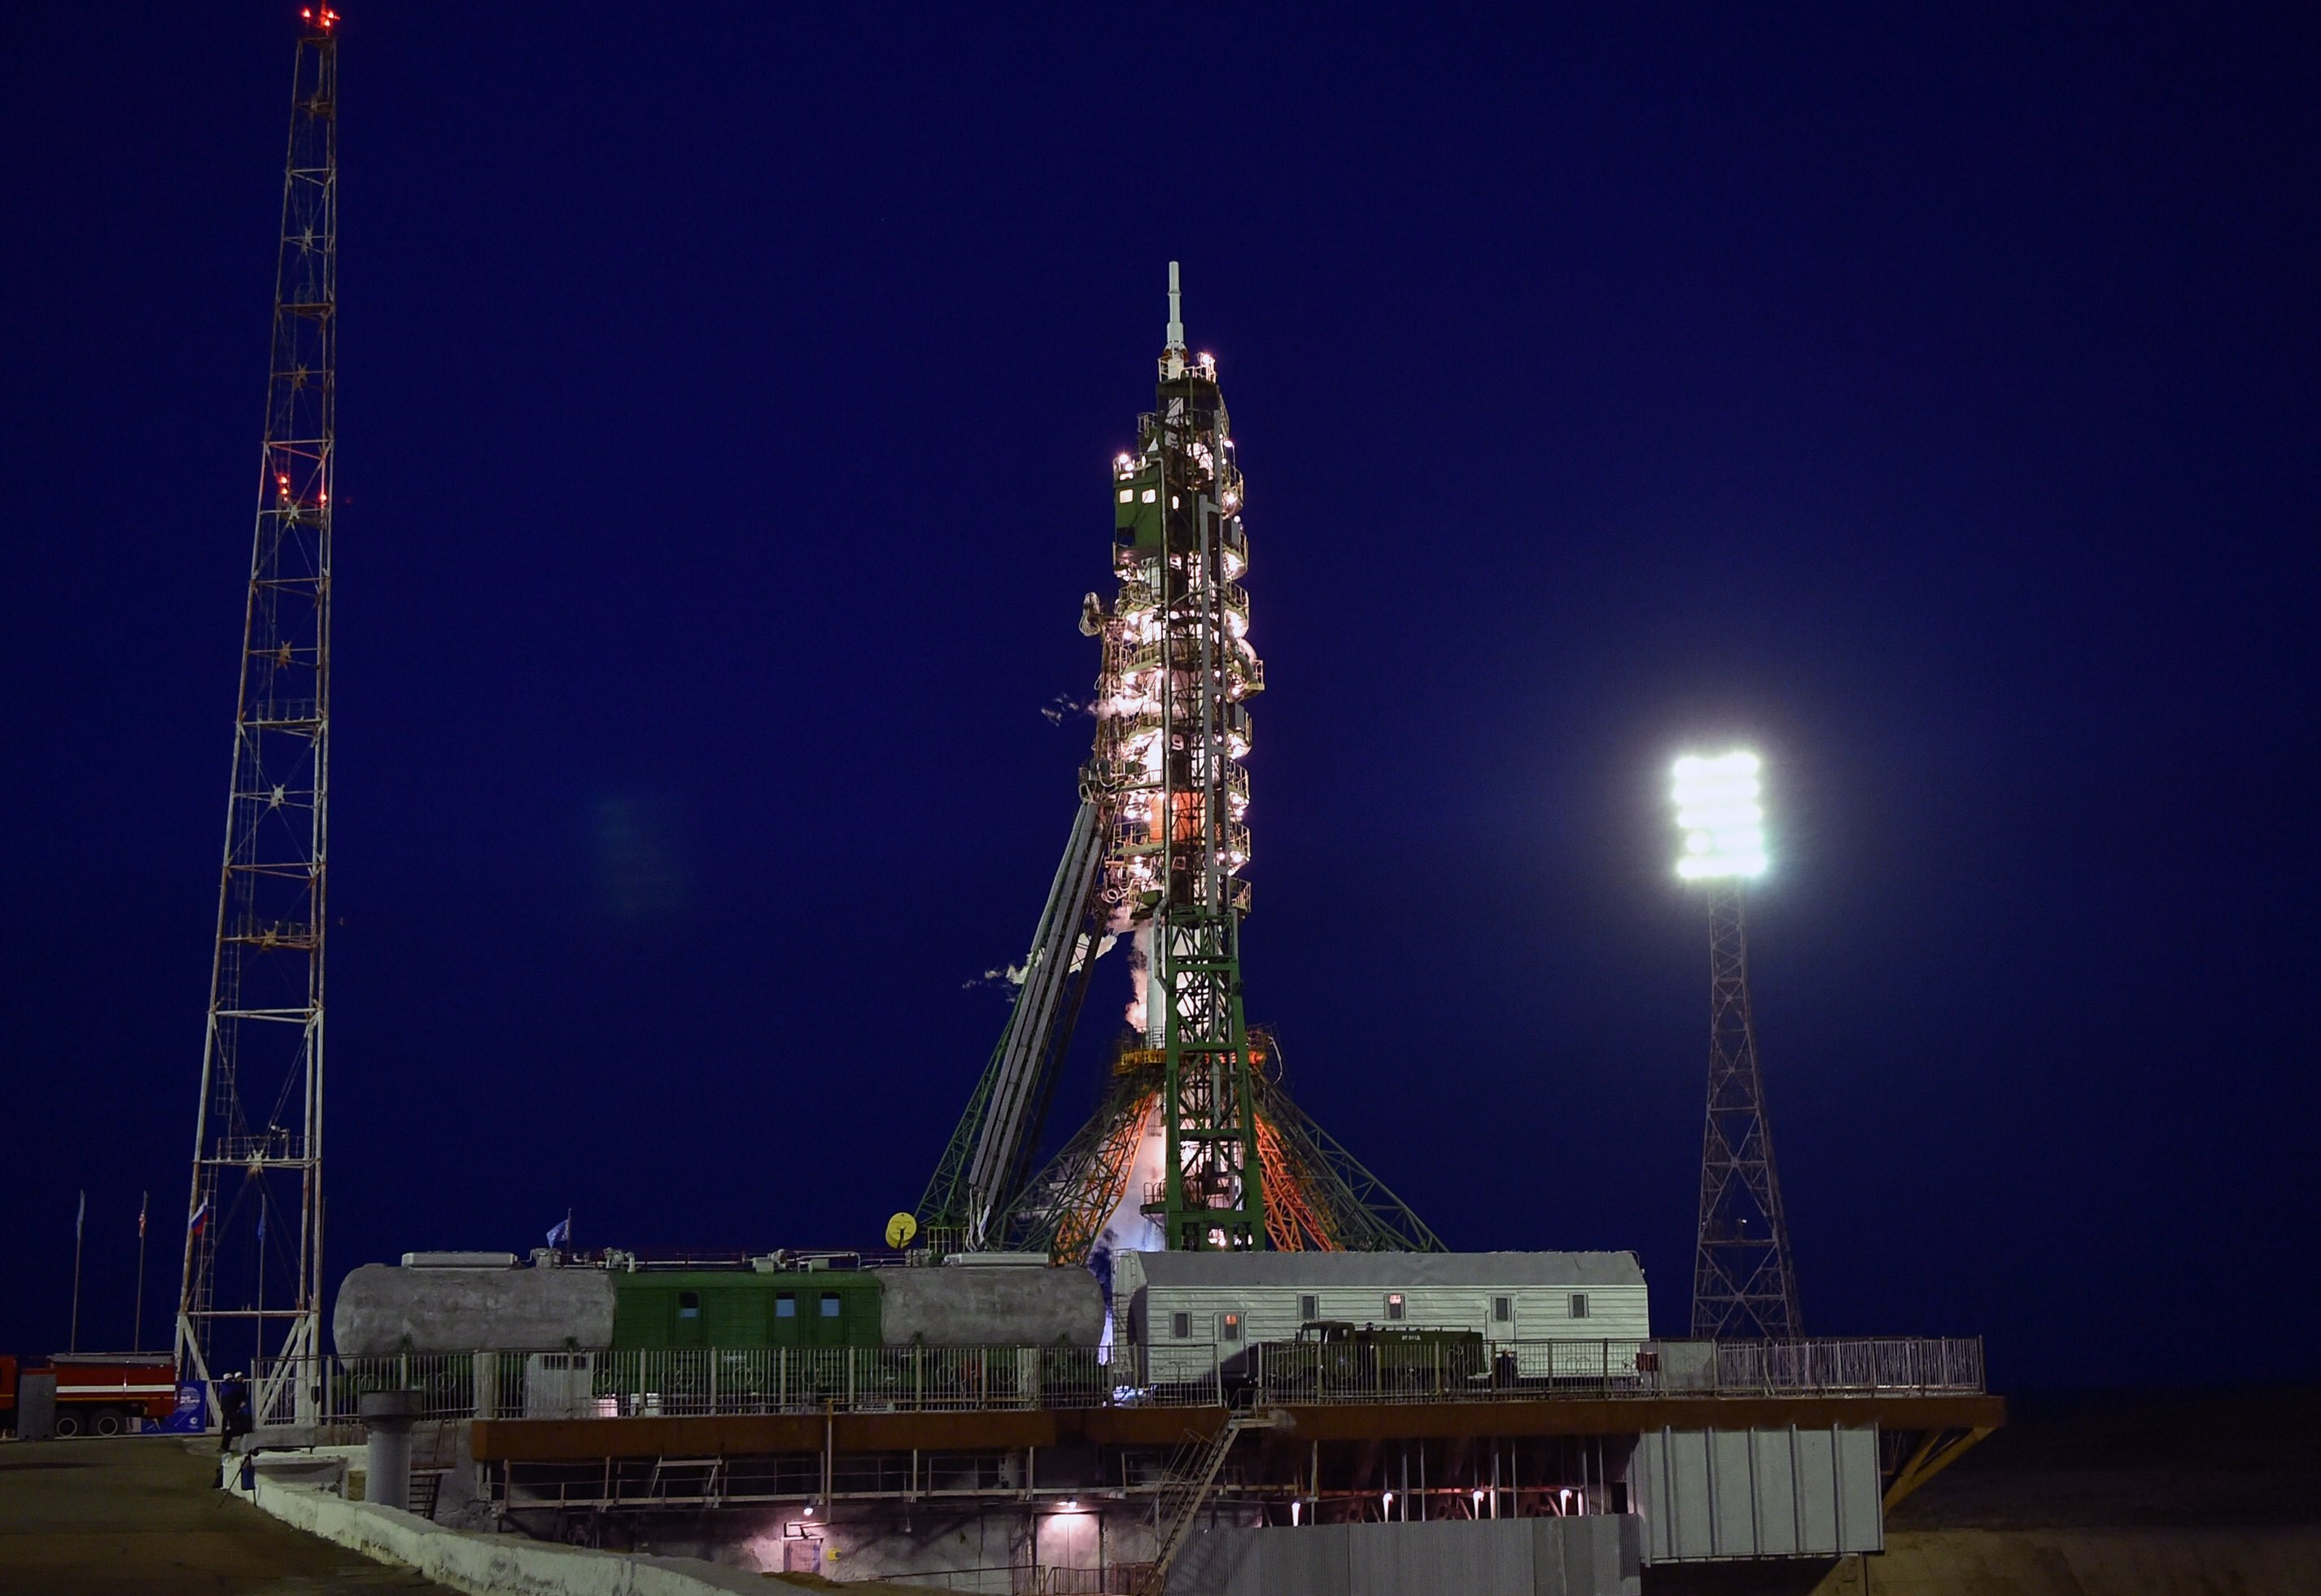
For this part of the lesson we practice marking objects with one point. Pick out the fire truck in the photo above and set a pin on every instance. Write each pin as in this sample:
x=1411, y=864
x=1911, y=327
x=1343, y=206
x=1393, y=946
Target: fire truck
x=98, y=1393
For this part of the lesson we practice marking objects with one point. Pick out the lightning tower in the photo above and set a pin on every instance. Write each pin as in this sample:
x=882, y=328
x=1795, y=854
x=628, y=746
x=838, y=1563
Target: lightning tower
x=258, y=1137
x=1744, y=1285
x=1195, y=1143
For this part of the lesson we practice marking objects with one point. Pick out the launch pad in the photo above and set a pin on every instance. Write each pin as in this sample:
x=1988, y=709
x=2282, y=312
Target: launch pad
x=1199, y=1317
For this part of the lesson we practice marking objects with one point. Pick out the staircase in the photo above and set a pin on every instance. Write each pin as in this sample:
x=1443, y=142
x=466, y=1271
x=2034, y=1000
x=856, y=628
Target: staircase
x=1192, y=1473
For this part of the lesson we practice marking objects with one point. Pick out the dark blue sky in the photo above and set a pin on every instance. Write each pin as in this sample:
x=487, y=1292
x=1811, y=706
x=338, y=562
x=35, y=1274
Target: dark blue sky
x=1929, y=399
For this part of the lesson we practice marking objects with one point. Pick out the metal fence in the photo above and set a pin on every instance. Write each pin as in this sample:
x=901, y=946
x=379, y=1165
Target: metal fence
x=1450, y=1369
x=704, y=1382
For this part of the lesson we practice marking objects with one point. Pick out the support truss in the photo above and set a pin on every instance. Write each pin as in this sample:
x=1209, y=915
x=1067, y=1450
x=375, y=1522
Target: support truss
x=257, y=1190
x=1744, y=1286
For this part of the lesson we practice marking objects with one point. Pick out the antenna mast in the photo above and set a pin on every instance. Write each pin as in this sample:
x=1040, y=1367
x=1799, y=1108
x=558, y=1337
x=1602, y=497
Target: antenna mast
x=258, y=1136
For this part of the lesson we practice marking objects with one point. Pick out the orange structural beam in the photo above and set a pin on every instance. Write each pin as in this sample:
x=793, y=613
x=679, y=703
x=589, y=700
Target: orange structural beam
x=1292, y=1223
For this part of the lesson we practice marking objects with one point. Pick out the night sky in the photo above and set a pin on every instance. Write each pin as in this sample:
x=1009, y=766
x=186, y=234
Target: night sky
x=1928, y=400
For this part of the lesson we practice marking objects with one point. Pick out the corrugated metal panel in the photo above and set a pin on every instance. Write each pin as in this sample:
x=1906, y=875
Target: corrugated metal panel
x=1592, y=1556
x=1864, y=1500
x=1412, y=1559
x=1759, y=1493
x=1732, y=1493
x=1773, y=1478
x=1315, y=1558
x=1222, y=1563
x=1599, y=1555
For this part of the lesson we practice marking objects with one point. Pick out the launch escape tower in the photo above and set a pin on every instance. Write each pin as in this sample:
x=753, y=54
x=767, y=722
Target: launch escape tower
x=1744, y=1285
x=258, y=1137
x=1195, y=1143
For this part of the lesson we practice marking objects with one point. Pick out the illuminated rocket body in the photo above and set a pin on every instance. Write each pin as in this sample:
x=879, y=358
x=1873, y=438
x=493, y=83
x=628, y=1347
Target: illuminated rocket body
x=1173, y=727
x=1195, y=1143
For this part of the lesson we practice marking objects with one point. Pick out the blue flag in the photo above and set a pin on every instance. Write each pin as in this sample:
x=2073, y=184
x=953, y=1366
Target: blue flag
x=562, y=1232
x=261, y=1224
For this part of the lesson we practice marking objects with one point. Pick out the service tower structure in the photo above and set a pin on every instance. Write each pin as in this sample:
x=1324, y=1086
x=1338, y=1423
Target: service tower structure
x=1173, y=728
x=1195, y=1143
x=1744, y=1283
x=258, y=1129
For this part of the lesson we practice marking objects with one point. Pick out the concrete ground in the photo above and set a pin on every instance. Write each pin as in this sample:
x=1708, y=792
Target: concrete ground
x=138, y=1517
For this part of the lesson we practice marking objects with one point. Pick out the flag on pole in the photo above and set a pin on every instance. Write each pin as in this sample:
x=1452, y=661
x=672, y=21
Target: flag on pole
x=201, y=1217
x=143, y=1203
x=81, y=1216
x=561, y=1232
x=261, y=1222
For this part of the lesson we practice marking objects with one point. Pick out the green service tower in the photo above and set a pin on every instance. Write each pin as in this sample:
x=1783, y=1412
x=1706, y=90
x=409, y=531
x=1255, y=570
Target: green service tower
x=1195, y=1143
x=1172, y=729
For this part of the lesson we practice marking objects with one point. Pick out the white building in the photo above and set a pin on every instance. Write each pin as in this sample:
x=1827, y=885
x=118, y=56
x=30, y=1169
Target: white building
x=1178, y=1313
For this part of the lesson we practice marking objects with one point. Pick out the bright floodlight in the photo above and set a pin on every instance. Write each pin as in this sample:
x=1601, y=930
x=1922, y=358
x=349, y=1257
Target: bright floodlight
x=1717, y=810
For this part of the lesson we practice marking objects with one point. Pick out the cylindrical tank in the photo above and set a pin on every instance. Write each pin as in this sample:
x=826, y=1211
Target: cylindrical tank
x=384, y=1310
x=991, y=1305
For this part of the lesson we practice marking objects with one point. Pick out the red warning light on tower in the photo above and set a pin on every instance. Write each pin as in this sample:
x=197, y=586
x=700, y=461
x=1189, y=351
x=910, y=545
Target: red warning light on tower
x=328, y=19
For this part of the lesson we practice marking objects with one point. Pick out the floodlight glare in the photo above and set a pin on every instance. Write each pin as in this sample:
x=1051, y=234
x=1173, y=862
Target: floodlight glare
x=1717, y=810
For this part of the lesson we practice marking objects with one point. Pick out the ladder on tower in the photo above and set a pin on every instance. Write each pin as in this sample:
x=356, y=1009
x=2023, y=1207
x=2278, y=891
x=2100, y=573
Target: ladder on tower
x=1185, y=1490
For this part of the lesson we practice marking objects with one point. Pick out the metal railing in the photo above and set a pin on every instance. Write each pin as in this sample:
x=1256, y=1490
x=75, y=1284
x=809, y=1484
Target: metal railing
x=697, y=1382
x=689, y=1382
x=1450, y=1370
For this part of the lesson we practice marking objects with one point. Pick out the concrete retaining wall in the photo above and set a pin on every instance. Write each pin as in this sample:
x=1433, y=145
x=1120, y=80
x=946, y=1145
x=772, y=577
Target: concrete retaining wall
x=490, y=1565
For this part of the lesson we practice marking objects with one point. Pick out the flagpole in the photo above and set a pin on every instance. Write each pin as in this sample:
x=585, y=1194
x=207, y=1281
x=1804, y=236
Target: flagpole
x=80, y=1221
x=143, y=1203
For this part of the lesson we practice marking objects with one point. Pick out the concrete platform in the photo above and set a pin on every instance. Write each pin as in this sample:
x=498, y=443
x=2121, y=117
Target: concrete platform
x=140, y=1516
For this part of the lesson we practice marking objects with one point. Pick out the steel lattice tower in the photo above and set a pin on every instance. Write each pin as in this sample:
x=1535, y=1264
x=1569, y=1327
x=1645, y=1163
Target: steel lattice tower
x=257, y=1138
x=1744, y=1285
x=1184, y=620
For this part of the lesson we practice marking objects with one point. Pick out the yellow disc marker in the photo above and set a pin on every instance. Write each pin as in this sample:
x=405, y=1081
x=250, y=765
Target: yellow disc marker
x=900, y=1229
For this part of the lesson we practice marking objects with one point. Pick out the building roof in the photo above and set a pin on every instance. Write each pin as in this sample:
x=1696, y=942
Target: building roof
x=1390, y=1270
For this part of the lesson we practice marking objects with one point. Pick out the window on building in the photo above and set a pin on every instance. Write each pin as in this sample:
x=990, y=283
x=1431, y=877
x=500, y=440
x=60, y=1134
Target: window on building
x=1393, y=1305
x=830, y=1305
x=786, y=1305
x=1503, y=1310
x=688, y=1305
x=1580, y=1305
x=1229, y=1326
x=1126, y=493
x=1180, y=1325
x=1309, y=1308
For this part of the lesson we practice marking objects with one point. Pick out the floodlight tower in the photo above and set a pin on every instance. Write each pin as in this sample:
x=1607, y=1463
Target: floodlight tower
x=257, y=1127
x=1744, y=1286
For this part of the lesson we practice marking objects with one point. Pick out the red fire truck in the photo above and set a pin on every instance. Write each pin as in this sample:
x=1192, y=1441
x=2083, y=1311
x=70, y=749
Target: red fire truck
x=99, y=1393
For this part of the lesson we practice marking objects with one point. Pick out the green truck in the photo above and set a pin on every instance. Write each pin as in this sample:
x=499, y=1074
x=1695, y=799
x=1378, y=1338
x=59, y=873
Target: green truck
x=1334, y=1357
